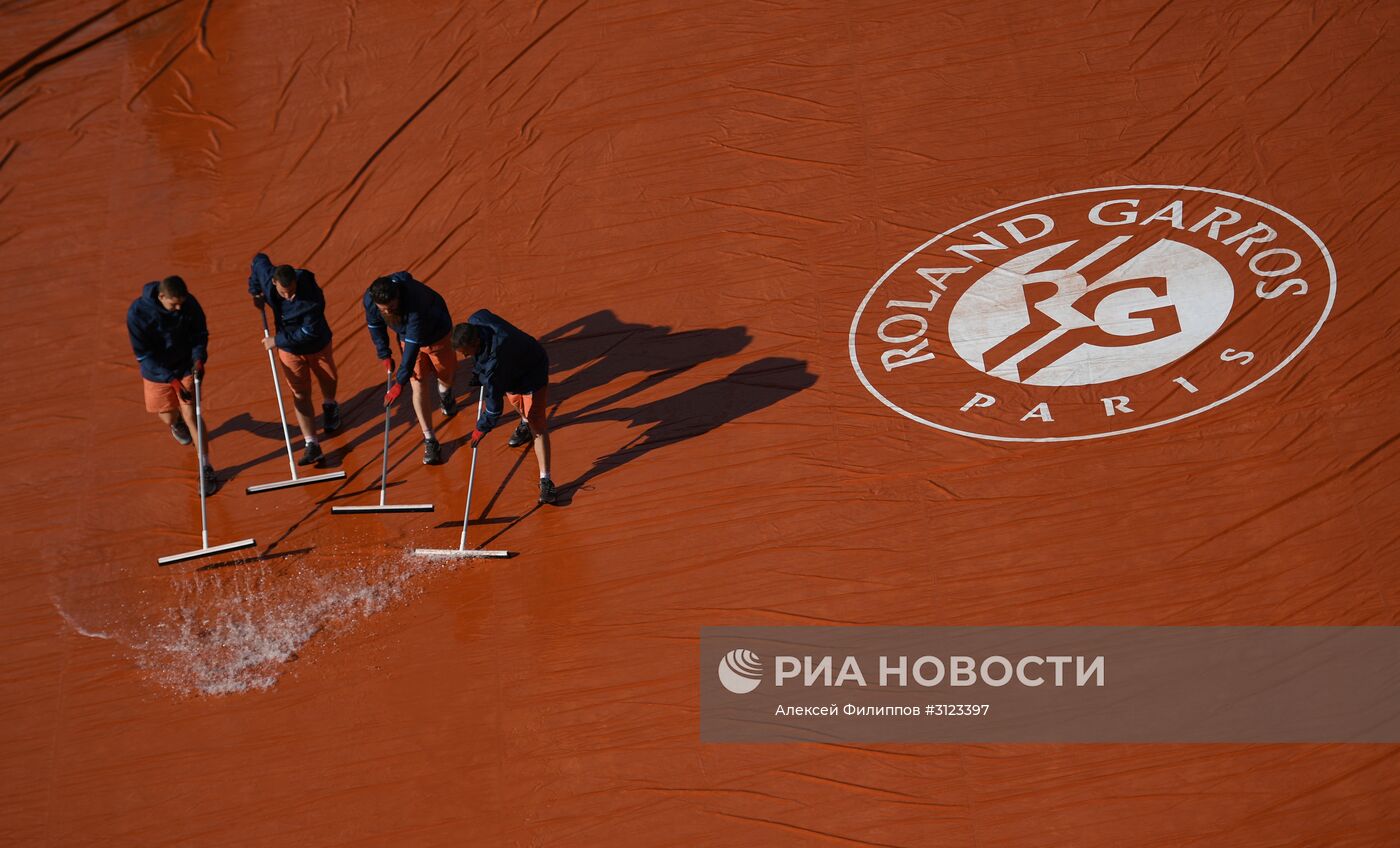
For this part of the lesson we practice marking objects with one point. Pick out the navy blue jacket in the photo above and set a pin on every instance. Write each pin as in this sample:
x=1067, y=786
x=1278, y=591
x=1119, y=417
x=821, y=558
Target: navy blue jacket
x=300, y=322
x=167, y=344
x=510, y=362
x=425, y=317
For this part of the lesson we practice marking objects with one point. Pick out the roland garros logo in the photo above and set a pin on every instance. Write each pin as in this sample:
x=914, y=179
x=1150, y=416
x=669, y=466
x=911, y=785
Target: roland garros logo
x=1092, y=313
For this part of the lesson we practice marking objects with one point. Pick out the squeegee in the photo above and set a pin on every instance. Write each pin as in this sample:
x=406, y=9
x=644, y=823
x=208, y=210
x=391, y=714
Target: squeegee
x=461, y=550
x=287, y=435
x=383, y=478
x=205, y=550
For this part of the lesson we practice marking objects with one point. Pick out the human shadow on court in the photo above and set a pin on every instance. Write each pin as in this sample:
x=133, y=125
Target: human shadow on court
x=601, y=352
x=609, y=350
x=606, y=351
x=693, y=412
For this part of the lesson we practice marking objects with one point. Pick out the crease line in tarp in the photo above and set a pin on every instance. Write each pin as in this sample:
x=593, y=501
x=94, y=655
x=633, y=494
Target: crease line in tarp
x=537, y=40
x=22, y=76
x=58, y=39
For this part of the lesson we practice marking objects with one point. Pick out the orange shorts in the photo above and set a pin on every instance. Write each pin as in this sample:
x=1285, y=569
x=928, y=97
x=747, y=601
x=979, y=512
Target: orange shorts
x=437, y=359
x=161, y=397
x=298, y=368
x=532, y=406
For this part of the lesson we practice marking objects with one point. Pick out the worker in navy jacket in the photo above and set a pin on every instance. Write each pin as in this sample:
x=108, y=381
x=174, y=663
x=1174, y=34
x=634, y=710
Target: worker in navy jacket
x=509, y=364
x=419, y=317
x=302, y=341
x=171, y=341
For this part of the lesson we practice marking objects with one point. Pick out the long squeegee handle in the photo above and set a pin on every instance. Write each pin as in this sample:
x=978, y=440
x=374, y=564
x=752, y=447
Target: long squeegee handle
x=199, y=452
x=471, y=475
x=384, y=463
x=277, y=390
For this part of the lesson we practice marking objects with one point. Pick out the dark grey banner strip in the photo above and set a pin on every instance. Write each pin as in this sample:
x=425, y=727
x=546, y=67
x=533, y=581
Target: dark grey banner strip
x=1050, y=684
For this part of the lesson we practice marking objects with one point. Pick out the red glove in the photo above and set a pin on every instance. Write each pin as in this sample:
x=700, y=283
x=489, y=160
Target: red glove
x=393, y=394
x=477, y=436
x=199, y=369
x=388, y=364
x=180, y=390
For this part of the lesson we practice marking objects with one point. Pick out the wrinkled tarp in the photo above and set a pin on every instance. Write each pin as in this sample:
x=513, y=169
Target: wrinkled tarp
x=687, y=202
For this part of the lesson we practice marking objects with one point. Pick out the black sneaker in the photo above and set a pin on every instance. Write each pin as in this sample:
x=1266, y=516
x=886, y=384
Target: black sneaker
x=181, y=433
x=330, y=417
x=311, y=454
x=522, y=435
x=211, y=481
x=432, y=452
x=548, y=494
x=449, y=403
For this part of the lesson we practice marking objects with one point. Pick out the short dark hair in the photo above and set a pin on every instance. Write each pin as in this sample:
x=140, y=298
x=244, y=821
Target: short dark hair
x=173, y=286
x=465, y=337
x=285, y=274
x=384, y=290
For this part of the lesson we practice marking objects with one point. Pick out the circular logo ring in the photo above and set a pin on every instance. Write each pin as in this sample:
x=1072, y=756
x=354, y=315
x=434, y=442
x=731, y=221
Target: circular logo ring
x=978, y=369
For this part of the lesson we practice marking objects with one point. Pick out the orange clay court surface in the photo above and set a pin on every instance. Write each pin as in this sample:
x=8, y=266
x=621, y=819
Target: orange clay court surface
x=691, y=205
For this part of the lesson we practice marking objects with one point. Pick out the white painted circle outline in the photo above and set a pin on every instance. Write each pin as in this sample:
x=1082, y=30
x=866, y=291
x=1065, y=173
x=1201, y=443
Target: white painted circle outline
x=1326, y=311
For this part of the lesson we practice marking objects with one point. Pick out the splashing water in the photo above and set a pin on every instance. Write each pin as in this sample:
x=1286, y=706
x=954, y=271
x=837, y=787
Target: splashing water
x=236, y=633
